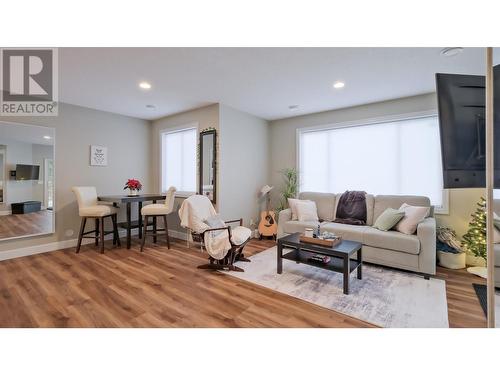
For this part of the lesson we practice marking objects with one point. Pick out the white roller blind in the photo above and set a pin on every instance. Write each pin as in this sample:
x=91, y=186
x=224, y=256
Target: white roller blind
x=399, y=157
x=179, y=160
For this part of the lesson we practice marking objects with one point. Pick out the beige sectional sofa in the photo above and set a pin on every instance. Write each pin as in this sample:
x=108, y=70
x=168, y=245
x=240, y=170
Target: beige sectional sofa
x=394, y=249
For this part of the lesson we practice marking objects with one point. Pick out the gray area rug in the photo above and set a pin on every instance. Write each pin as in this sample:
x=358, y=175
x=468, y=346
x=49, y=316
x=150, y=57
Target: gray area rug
x=385, y=297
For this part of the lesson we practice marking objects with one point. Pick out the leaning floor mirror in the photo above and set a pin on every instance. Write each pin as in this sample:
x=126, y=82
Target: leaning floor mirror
x=208, y=162
x=26, y=180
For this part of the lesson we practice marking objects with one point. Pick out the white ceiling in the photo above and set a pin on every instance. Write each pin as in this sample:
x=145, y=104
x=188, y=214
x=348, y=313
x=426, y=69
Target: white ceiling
x=261, y=81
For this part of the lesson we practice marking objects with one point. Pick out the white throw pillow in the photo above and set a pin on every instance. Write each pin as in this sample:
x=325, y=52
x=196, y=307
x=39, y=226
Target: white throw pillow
x=306, y=211
x=292, y=203
x=413, y=216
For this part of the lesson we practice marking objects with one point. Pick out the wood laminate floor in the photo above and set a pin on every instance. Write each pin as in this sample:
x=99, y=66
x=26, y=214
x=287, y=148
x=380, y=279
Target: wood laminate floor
x=464, y=310
x=26, y=224
x=163, y=288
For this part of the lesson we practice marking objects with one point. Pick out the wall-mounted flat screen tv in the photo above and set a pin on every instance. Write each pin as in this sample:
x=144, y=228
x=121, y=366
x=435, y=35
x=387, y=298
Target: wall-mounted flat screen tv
x=27, y=172
x=461, y=105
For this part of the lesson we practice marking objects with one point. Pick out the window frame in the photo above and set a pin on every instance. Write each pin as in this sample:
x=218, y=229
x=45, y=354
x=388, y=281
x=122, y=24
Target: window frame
x=443, y=209
x=170, y=130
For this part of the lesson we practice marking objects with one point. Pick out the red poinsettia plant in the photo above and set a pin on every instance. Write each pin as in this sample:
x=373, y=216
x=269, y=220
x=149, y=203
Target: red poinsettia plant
x=133, y=184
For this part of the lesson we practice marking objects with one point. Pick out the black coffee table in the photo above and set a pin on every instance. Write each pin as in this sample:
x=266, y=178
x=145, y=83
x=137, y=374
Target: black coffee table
x=340, y=255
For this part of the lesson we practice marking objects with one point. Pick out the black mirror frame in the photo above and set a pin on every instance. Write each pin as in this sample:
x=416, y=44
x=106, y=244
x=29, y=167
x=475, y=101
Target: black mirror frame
x=214, y=165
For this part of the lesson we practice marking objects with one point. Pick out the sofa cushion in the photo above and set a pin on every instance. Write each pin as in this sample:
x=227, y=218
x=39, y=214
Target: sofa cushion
x=346, y=231
x=496, y=252
x=392, y=240
x=395, y=201
x=294, y=226
x=325, y=202
x=370, y=201
x=496, y=206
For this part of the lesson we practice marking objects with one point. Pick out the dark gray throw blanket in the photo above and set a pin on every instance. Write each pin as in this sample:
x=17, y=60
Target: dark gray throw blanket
x=351, y=208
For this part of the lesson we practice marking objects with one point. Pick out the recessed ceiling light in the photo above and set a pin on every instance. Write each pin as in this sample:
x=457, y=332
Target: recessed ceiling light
x=150, y=106
x=294, y=107
x=451, y=51
x=145, y=85
x=338, y=84
x=47, y=137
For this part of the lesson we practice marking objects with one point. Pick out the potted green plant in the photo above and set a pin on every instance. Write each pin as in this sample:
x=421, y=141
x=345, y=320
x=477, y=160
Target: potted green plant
x=290, y=187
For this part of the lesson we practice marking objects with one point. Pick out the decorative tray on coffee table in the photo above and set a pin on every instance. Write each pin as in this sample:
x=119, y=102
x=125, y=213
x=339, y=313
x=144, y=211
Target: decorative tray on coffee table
x=328, y=242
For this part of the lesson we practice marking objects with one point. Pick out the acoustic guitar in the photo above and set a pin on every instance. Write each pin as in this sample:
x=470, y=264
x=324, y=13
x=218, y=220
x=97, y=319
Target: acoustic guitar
x=267, y=225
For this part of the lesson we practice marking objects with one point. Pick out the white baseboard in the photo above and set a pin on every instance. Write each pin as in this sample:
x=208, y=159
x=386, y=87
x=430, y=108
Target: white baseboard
x=38, y=249
x=53, y=246
x=178, y=235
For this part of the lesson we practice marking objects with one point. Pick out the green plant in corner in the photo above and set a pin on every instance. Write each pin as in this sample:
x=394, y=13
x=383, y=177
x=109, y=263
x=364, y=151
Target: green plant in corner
x=290, y=187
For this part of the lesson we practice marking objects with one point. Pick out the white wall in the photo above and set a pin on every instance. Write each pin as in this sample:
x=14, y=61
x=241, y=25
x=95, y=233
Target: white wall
x=17, y=191
x=40, y=153
x=76, y=128
x=242, y=158
x=205, y=117
x=23, y=153
x=283, y=147
x=244, y=163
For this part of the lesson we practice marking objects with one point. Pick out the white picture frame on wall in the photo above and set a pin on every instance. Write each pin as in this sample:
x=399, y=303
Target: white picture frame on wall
x=98, y=156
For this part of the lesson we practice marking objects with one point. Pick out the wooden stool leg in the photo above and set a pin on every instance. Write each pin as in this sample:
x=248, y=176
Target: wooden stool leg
x=166, y=230
x=101, y=233
x=80, y=236
x=145, y=225
x=154, y=229
x=96, y=232
x=116, y=235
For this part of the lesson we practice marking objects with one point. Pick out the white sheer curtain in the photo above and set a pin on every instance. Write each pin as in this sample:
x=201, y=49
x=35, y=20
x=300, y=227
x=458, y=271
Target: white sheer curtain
x=399, y=157
x=179, y=160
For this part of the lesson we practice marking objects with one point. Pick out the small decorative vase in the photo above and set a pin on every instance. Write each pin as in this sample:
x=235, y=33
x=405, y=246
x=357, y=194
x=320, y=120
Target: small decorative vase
x=133, y=192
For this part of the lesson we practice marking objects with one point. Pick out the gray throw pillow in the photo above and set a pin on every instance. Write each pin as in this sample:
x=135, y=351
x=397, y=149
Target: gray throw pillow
x=388, y=219
x=215, y=222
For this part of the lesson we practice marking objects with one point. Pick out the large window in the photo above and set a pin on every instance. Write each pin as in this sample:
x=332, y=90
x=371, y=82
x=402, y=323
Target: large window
x=178, y=160
x=397, y=157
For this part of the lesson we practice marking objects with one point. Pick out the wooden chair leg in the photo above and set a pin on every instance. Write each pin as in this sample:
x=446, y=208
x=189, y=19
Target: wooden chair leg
x=144, y=227
x=116, y=235
x=96, y=232
x=80, y=235
x=154, y=229
x=101, y=233
x=166, y=230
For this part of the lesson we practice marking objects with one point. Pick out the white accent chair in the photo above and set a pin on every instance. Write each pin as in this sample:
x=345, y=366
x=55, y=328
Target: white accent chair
x=154, y=211
x=90, y=208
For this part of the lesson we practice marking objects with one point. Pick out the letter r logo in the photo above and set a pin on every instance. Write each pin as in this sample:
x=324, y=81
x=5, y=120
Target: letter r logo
x=27, y=75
